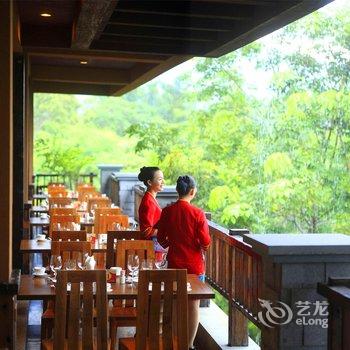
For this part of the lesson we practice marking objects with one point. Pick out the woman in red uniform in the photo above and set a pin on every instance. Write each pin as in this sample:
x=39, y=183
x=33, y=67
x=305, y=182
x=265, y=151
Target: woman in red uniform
x=149, y=210
x=184, y=229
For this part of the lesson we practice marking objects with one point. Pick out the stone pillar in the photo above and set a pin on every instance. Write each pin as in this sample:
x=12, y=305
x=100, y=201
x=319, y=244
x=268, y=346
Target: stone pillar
x=106, y=171
x=293, y=264
x=6, y=139
x=125, y=183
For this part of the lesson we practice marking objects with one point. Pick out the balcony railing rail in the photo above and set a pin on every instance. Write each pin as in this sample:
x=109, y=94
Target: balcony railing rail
x=41, y=181
x=235, y=271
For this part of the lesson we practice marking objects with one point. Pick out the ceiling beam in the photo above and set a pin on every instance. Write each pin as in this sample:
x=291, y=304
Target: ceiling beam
x=250, y=2
x=67, y=74
x=161, y=47
x=69, y=88
x=92, y=19
x=165, y=33
x=106, y=55
x=187, y=8
x=243, y=36
x=141, y=75
x=168, y=21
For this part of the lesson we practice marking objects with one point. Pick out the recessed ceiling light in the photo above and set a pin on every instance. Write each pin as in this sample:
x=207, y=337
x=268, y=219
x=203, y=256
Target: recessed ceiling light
x=83, y=62
x=45, y=14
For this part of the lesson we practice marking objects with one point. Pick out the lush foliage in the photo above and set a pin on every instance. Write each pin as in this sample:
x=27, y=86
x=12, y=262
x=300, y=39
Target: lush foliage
x=272, y=156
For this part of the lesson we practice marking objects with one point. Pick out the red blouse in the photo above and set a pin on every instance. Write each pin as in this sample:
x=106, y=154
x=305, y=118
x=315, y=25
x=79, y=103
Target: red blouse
x=184, y=228
x=149, y=214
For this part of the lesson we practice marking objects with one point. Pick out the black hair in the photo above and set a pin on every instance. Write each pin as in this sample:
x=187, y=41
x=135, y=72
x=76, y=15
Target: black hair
x=185, y=184
x=147, y=173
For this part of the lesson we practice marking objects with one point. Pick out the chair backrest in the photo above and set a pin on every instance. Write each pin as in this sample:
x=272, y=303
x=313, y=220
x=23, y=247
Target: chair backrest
x=68, y=235
x=62, y=211
x=86, y=192
x=58, y=192
x=55, y=185
x=75, y=312
x=59, y=201
x=98, y=202
x=81, y=186
x=63, y=222
x=118, y=235
x=144, y=250
x=100, y=212
x=70, y=250
x=108, y=222
x=174, y=308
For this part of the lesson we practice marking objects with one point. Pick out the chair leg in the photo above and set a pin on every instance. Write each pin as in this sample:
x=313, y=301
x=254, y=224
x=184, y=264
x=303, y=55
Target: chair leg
x=113, y=334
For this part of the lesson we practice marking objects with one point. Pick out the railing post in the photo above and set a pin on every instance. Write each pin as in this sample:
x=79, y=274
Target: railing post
x=237, y=322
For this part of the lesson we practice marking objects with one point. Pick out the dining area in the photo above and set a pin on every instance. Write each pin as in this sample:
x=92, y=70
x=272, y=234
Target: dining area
x=97, y=279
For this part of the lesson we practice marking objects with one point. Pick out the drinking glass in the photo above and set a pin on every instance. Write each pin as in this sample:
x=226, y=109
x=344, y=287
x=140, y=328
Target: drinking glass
x=146, y=264
x=133, y=264
x=70, y=264
x=55, y=264
x=161, y=262
x=80, y=262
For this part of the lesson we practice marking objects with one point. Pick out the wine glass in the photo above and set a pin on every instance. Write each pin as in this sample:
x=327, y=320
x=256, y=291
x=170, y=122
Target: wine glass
x=55, y=264
x=133, y=264
x=70, y=264
x=161, y=262
x=146, y=264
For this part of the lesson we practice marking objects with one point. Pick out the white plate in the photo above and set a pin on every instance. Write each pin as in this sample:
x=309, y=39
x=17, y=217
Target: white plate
x=35, y=274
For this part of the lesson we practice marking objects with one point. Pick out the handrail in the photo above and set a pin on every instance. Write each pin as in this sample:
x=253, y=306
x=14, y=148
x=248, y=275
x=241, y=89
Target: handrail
x=235, y=271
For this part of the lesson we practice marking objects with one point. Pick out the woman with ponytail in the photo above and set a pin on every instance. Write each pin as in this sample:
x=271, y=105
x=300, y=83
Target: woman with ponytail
x=149, y=210
x=184, y=229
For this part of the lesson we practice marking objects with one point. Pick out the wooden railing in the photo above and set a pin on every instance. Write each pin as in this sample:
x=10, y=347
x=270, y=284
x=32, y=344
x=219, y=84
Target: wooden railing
x=41, y=181
x=235, y=271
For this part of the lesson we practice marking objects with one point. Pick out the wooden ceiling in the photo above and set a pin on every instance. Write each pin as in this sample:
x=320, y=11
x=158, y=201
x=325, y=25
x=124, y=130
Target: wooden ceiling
x=110, y=47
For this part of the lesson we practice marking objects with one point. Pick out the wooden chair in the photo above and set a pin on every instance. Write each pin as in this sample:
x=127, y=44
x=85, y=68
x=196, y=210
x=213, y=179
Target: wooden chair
x=99, y=212
x=174, y=333
x=120, y=316
x=67, y=250
x=98, y=202
x=81, y=186
x=63, y=222
x=118, y=235
x=75, y=312
x=68, y=235
x=62, y=211
x=86, y=192
x=59, y=201
x=58, y=192
x=108, y=222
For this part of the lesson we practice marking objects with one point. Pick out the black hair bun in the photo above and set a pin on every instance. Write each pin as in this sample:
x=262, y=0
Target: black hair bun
x=184, y=184
x=142, y=174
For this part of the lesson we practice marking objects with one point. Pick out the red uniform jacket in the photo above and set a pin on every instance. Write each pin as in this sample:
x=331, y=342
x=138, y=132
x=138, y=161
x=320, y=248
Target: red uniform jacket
x=149, y=214
x=184, y=228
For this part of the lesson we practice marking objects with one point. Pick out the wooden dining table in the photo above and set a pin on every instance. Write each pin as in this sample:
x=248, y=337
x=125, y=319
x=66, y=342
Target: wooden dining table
x=39, y=288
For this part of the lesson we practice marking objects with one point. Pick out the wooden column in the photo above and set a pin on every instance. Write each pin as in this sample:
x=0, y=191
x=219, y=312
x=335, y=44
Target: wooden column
x=18, y=130
x=7, y=295
x=28, y=131
x=6, y=150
